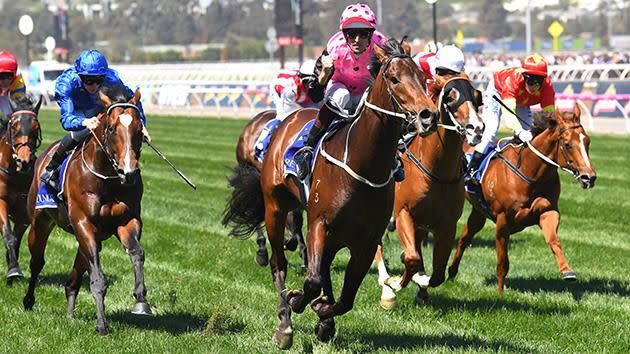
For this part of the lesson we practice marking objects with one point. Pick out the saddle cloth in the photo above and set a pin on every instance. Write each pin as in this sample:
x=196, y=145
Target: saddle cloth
x=46, y=197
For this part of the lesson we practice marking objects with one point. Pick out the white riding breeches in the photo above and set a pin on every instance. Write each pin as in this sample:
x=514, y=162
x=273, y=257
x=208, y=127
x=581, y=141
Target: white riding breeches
x=340, y=96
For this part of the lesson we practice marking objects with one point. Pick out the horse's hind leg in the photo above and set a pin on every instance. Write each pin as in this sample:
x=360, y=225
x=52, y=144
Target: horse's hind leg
x=37, y=239
x=275, y=221
x=74, y=283
x=475, y=223
x=503, y=261
x=262, y=257
x=11, y=243
x=325, y=328
x=129, y=236
x=388, y=296
x=549, y=222
x=294, y=223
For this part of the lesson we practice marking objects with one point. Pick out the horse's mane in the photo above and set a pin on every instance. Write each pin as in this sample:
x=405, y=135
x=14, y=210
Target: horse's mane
x=391, y=47
x=117, y=93
x=543, y=121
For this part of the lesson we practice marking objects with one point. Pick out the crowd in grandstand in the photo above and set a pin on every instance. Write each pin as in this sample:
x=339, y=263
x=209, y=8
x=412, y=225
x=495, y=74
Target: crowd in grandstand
x=500, y=60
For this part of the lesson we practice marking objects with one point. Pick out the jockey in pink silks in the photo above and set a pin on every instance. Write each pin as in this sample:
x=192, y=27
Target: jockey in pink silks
x=342, y=72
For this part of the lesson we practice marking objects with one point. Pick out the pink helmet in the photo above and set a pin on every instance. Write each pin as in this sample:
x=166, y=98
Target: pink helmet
x=357, y=16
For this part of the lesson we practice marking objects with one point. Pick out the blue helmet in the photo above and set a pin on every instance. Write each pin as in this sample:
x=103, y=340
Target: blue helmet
x=91, y=62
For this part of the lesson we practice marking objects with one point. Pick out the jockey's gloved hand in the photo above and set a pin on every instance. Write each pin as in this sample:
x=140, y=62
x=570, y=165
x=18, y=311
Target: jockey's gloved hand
x=524, y=135
x=91, y=123
x=145, y=132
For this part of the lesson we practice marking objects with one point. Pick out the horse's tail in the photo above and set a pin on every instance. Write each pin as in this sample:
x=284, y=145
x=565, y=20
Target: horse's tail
x=245, y=209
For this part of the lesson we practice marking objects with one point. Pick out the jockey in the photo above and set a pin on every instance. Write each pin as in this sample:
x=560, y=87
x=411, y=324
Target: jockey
x=11, y=85
x=344, y=73
x=447, y=63
x=519, y=88
x=426, y=59
x=76, y=92
x=289, y=89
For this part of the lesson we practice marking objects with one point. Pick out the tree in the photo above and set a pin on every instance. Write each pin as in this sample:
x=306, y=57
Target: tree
x=492, y=20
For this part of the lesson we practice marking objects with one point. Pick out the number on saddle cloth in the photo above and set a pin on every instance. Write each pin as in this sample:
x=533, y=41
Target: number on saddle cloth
x=46, y=196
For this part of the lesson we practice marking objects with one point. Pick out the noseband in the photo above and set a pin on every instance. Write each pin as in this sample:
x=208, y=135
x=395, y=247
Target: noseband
x=23, y=132
x=455, y=125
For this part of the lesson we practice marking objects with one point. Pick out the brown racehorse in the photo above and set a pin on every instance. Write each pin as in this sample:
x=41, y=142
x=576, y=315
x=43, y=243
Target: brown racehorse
x=18, y=144
x=245, y=155
x=522, y=188
x=431, y=198
x=350, y=201
x=103, y=192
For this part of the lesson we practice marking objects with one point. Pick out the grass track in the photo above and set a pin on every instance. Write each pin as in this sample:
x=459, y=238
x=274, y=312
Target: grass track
x=209, y=296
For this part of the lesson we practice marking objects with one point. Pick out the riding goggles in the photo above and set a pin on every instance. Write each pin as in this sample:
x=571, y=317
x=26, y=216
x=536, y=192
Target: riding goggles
x=91, y=80
x=6, y=76
x=533, y=79
x=353, y=33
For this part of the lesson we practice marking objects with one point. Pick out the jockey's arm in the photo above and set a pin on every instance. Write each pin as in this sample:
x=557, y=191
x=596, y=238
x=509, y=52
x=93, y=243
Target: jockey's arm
x=316, y=85
x=69, y=120
x=510, y=119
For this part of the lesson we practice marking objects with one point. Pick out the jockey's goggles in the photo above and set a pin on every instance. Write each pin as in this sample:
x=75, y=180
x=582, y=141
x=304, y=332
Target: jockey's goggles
x=444, y=72
x=91, y=80
x=353, y=33
x=6, y=76
x=533, y=79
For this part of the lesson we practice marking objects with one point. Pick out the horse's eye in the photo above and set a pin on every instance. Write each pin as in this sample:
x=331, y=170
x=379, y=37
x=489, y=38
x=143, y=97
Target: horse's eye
x=394, y=80
x=567, y=146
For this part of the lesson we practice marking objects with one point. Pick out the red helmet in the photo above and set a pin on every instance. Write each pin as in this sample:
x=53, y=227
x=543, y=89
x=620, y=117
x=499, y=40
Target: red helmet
x=535, y=65
x=8, y=62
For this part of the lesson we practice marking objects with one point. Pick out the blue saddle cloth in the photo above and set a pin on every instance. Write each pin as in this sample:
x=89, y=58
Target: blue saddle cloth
x=300, y=140
x=260, y=148
x=46, y=197
x=474, y=189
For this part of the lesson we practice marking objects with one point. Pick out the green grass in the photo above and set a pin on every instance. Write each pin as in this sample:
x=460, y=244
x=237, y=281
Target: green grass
x=209, y=296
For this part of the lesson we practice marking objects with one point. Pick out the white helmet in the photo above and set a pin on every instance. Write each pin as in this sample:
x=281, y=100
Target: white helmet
x=450, y=57
x=308, y=67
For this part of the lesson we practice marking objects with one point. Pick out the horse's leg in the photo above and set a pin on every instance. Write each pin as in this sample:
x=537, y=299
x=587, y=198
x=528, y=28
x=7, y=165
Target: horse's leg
x=74, y=283
x=444, y=240
x=290, y=240
x=41, y=227
x=388, y=296
x=262, y=257
x=358, y=266
x=420, y=277
x=129, y=236
x=549, y=222
x=298, y=221
x=407, y=237
x=325, y=328
x=275, y=221
x=90, y=247
x=18, y=232
x=11, y=243
x=502, y=240
x=475, y=223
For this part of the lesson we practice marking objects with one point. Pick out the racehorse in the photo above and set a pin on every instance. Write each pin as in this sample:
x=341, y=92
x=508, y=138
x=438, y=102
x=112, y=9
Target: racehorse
x=522, y=188
x=431, y=197
x=350, y=201
x=102, y=193
x=18, y=145
x=245, y=154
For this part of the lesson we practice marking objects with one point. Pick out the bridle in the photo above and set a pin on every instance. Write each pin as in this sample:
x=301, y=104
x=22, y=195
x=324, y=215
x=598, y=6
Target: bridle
x=454, y=123
x=32, y=145
x=569, y=166
x=105, y=144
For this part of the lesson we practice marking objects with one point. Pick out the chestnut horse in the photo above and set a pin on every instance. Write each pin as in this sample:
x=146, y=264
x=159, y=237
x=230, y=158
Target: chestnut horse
x=103, y=192
x=431, y=198
x=245, y=155
x=522, y=188
x=351, y=195
x=18, y=144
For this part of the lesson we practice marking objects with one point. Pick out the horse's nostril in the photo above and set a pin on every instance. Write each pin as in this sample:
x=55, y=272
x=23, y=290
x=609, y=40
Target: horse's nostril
x=425, y=113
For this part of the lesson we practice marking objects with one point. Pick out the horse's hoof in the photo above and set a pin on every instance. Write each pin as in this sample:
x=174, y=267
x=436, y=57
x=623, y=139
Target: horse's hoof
x=421, y=280
x=325, y=330
x=262, y=258
x=452, y=273
x=291, y=298
x=388, y=304
x=102, y=330
x=569, y=276
x=28, y=302
x=142, y=308
x=422, y=298
x=15, y=273
x=283, y=339
x=393, y=283
x=291, y=243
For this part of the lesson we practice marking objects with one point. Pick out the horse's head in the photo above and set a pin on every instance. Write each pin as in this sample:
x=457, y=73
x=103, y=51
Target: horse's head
x=24, y=134
x=404, y=84
x=121, y=132
x=574, y=145
x=459, y=103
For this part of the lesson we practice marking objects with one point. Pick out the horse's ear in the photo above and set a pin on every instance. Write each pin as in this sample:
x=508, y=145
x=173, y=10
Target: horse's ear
x=380, y=53
x=104, y=99
x=136, y=97
x=478, y=98
x=405, y=46
x=38, y=104
x=577, y=112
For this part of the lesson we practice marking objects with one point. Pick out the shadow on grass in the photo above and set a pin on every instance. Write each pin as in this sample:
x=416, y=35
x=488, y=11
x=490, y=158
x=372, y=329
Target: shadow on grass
x=173, y=323
x=429, y=343
x=448, y=304
x=60, y=279
x=577, y=289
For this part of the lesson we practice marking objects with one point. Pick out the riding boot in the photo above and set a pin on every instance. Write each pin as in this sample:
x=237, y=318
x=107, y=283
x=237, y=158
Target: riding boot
x=50, y=176
x=473, y=166
x=399, y=169
x=304, y=156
